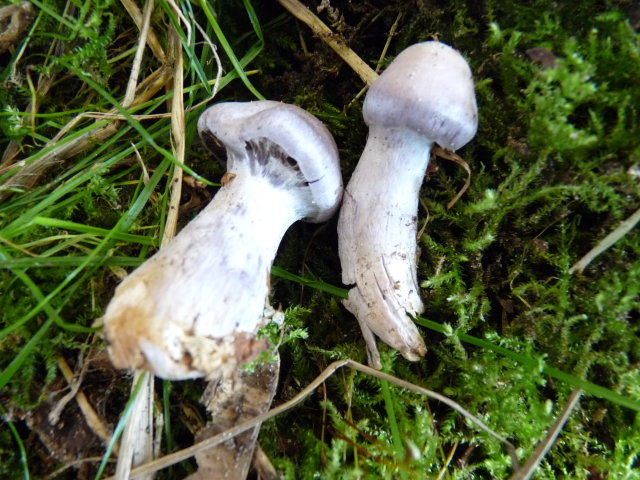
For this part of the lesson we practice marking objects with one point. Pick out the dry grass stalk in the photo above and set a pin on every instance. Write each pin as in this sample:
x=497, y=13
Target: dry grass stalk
x=138, y=437
x=29, y=174
x=44, y=85
x=189, y=452
x=151, y=38
x=136, y=446
x=543, y=447
x=302, y=13
x=92, y=418
x=607, y=242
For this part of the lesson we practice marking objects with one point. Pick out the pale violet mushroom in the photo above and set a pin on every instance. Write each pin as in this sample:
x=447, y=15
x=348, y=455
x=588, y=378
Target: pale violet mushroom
x=425, y=96
x=194, y=308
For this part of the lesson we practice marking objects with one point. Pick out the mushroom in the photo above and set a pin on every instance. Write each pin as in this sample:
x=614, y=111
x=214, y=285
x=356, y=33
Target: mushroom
x=193, y=309
x=425, y=96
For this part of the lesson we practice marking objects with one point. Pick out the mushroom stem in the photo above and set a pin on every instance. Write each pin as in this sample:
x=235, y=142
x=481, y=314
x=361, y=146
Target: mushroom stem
x=227, y=251
x=236, y=235
x=220, y=252
x=195, y=307
x=382, y=217
x=425, y=96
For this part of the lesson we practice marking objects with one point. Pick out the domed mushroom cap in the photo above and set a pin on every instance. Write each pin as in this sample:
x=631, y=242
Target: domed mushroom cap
x=283, y=143
x=428, y=88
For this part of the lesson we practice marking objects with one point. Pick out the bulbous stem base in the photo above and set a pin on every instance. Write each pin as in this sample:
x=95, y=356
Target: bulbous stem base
x=193, y=309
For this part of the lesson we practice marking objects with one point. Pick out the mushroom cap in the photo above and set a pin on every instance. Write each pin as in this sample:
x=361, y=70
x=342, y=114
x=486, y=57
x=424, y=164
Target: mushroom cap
x=428, y=88
x=282, y=142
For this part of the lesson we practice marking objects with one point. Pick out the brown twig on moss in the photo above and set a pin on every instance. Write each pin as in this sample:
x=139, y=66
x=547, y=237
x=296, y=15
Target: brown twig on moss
x=93, y=420
x=302, y=13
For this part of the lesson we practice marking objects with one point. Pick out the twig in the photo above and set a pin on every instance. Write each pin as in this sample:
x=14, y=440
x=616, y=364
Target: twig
x=455, y=158
x=302, y=13
x=181, y=455
x=525, y=472
x=624, y=228
x=426, y=220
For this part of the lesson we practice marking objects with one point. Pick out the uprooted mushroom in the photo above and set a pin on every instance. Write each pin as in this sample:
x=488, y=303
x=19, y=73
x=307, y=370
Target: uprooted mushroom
x=194, y=308
x=425, y=96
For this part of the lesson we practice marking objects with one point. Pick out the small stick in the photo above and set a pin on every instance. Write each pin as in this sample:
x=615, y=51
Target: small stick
x=608, y=241
x=543, y=447
x=186, y=453
x=302, y=13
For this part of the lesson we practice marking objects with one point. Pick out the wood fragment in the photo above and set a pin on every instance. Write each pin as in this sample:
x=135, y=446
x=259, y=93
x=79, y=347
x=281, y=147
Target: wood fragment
x=231, y=401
